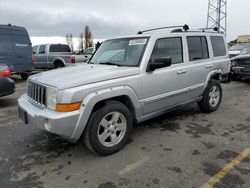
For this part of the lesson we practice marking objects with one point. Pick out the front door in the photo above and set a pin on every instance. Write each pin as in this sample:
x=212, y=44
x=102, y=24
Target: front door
x=166, y=87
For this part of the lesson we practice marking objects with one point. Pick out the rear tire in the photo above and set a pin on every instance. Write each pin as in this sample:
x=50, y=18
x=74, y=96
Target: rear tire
x=211, y=97
x=24, y=76
x=58, y=64
x=109, y=128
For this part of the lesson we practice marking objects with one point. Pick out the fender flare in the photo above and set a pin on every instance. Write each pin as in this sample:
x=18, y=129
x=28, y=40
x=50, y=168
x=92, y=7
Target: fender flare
x=93, y=98
x=211, y=74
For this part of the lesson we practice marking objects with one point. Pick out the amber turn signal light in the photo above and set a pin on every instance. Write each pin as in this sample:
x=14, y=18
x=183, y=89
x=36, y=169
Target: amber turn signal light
x=68, y=107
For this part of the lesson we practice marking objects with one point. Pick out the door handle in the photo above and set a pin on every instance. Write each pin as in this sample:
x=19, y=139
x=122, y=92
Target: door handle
x=181, y=71
x=209, y=66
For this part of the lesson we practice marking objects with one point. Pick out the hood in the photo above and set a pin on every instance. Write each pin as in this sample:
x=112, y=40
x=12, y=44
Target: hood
x=82, y=74
x=238, y=57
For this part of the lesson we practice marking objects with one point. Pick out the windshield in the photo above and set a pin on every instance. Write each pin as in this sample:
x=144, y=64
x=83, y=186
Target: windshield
x=121, y=52
x=237, y=47
x=245, y=50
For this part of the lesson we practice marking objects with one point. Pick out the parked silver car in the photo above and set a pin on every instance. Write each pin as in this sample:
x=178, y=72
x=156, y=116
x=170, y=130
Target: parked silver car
x=129, y=79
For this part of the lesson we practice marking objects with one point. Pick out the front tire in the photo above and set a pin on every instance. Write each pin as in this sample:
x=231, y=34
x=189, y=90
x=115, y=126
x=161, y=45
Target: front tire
x=109, y=128
x=211, y=97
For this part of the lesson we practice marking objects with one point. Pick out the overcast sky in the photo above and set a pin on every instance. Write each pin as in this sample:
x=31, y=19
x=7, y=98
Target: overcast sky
x=111, y=18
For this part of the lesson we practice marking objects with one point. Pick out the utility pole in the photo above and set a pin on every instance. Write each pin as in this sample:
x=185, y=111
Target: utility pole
x=217, y=15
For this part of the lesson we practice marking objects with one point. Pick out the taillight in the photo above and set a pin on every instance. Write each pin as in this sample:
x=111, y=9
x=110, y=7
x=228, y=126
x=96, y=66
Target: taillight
x=33, y=59
x=5, y=73
x=73, y=59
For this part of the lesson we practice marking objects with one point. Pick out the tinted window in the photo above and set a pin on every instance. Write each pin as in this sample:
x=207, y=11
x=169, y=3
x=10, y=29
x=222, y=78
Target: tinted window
x=59, y=48
x=168, y=48
x=197, y=48
x=5, y=44
x=218, y=46
x=42, y=49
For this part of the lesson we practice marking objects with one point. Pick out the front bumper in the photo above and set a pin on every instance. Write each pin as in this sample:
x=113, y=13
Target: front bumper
x=59, y=123
x=240, y=71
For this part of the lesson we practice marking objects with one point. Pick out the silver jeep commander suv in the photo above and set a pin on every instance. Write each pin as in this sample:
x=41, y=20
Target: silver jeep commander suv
x=129, y=79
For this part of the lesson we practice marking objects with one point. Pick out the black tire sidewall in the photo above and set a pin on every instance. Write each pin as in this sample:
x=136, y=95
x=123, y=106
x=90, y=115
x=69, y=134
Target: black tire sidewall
x=206, y=97
x=58, y=64
x=93, y=124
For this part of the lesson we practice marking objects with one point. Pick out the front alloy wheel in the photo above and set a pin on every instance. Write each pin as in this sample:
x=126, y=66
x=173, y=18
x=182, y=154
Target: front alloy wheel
x=109, y=128
x=112, y=129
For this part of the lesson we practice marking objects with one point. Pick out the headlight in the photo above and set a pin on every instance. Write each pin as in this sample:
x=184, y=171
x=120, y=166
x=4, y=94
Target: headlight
x=51, y=94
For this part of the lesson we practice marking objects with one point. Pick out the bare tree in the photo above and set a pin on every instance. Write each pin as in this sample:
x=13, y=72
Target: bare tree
x=88, y=40
x=69, y=40
x=81, y=43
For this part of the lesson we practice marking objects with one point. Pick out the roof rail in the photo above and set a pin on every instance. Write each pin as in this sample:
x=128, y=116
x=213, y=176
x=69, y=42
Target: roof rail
x=184, y=27
x=215, y=29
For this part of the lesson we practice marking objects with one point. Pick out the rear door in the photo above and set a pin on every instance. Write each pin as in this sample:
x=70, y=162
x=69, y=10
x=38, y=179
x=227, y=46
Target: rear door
x=6, y=49
x=22, y=52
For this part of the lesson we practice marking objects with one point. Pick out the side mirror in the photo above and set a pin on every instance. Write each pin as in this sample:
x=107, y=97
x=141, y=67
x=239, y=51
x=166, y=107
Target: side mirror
x=159, y=63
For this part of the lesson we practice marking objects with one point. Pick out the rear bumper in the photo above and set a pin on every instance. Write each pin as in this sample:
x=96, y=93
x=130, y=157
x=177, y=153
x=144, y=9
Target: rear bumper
x=62, y=124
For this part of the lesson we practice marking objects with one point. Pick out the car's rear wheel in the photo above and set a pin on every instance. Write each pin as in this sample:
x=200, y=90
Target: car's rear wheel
x=211, y=97
x=109, y=128
x=58, y=64
x=24, y=76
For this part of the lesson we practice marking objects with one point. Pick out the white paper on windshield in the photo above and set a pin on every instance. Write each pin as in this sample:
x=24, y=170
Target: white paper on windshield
x=137, y=42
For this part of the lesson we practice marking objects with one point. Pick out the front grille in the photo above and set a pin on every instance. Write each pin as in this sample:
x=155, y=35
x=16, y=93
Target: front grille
x=37, y=93
x=244, y=62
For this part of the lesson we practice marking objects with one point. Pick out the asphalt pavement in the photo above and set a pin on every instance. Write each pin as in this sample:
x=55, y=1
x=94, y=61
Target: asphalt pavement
x=184, y=148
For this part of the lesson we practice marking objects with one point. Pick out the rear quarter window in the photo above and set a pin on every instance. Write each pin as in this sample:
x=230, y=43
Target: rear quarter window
x=218, y=45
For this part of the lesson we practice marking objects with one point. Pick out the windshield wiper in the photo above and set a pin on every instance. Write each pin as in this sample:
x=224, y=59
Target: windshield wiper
x=109, y=63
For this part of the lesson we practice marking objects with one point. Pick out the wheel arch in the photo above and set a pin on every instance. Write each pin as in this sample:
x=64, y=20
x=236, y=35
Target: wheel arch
x=95, y=100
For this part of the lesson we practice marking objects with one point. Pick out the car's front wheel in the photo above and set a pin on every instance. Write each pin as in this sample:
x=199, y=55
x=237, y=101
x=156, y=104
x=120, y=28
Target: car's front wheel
x=109, y=128
x=212, y=96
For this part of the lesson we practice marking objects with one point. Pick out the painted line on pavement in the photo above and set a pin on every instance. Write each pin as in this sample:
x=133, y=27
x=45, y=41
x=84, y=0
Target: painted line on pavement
x=133, y=166
x=229, y=167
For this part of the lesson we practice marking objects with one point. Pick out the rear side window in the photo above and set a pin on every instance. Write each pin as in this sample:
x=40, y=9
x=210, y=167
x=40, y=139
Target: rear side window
x=218, y=45
x=42, y=49
x=5, y=44
x=197, y=48
x=168, y=48
x=59, y=48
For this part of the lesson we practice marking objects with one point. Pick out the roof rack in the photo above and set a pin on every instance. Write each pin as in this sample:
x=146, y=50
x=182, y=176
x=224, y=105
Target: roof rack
x=214, y=29
x=184, y=27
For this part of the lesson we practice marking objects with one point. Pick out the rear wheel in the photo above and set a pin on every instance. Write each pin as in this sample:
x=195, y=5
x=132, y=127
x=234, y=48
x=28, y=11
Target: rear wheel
x=58, y=64
x=109, y=128
x=212, y=97
x=24, y=76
